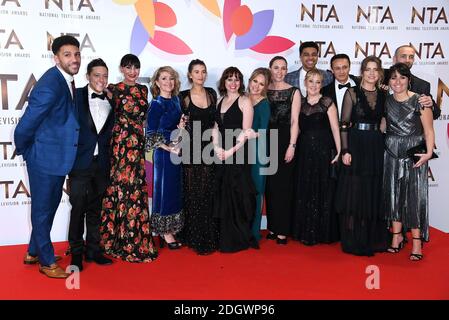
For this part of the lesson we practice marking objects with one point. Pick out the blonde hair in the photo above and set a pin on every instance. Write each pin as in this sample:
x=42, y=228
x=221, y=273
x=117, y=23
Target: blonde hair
x=313, y=72
x=267, y=75
x=155, y=90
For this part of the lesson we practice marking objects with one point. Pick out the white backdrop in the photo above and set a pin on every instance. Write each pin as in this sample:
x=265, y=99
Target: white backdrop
x=246, y=34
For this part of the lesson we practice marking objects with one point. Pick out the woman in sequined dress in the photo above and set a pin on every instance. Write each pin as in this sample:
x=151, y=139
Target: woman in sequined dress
x=405, y=185
x=315, y=220
x=199, y=103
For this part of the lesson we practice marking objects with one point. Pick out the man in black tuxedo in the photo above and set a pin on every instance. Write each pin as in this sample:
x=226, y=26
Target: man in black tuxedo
x=89, y=177
x=340, y=65
x=406, y=54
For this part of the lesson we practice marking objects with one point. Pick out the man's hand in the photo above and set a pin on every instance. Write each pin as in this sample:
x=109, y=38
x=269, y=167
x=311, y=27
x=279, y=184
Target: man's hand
x=425, y=101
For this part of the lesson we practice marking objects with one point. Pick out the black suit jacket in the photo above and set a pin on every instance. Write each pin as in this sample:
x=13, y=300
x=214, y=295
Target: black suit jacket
x=419, y=86
x=329, y=90
x=89, y=137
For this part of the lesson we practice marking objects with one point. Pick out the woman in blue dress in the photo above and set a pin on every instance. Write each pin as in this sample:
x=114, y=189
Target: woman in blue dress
x=163, y=117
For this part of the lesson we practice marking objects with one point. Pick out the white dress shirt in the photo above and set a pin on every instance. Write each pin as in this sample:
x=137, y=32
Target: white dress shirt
x=99, y=110
x=68, y=78
x=302, y=77
x=340, y=93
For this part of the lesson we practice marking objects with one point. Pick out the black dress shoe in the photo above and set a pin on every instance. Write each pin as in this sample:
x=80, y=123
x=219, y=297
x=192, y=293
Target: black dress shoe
x=98, y=258
x=281, y=241
x=77, y=260
x=271, y=236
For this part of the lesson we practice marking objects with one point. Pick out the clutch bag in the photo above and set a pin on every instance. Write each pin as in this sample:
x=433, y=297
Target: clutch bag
x=420, y=148
x=334, y=167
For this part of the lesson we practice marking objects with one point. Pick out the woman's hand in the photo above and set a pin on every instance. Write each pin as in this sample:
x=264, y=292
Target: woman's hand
x=226, y=154
x=335, y=159
x=251, y=134
x=423, y=158
x=175, y=149
x=289, y=154
x=222, y=154
x=347, y=159
x=218, y=151
x=108, y=92
x=183, y=121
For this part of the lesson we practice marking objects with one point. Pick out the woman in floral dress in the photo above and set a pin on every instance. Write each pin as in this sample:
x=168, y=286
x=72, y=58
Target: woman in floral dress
x=125, y=227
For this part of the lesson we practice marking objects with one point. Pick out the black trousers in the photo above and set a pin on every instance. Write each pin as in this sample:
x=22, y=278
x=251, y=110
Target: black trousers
x=87, y=188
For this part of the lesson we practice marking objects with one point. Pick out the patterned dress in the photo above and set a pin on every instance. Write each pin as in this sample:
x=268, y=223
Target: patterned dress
x=125, y=227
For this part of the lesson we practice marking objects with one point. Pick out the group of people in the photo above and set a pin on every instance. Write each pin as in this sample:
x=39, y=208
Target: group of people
x=340, y=146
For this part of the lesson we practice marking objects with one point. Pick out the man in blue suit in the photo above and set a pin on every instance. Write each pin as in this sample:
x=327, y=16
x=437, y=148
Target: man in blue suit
x=89, y=177
x=47, y=138
x=308, y=54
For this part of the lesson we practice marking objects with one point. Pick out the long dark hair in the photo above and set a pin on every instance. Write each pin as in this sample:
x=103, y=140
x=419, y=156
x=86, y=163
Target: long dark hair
x=378, y=63
x=193, y=63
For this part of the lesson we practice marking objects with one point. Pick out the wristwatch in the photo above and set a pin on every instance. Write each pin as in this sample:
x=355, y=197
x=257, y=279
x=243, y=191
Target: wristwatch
x=292, y=144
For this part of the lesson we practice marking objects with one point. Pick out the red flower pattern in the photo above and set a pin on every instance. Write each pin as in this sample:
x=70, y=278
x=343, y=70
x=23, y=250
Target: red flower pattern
x=125, y=225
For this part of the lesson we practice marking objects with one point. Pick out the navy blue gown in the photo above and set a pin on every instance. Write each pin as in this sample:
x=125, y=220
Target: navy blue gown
x=163, y=117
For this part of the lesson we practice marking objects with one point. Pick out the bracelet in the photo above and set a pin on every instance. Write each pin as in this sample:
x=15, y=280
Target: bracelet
x=292, y=144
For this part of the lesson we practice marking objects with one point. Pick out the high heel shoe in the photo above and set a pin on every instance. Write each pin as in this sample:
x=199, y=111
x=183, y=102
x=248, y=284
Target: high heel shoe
x=416, y=256
x=392, y=249
x=171, y=245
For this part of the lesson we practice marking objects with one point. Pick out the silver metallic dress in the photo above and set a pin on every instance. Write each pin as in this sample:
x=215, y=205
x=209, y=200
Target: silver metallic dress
x=405, y=188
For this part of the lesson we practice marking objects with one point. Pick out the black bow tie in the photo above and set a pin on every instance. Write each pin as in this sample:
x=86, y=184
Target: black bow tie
x=99, y=96
x=341, y=86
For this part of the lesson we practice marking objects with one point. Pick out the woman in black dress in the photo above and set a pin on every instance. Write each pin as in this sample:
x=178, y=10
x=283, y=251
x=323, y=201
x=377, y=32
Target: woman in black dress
x=363, y=227
x=315, y=219
x=199, y=104
x=279, y=192
x=234, y=194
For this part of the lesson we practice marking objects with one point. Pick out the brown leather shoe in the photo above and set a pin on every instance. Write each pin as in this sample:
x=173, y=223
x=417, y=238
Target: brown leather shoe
x=53, y=271
x=33, y=260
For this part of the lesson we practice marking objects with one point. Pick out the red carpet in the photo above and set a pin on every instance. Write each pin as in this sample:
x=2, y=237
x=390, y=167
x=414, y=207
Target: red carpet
x=293, y=271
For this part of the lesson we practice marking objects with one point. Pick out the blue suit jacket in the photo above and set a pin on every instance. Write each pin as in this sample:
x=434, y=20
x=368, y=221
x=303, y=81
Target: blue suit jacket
x=89, y=136
x=47, y=133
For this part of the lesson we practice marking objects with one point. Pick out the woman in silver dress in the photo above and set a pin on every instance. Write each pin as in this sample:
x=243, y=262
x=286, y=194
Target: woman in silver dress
x=405, y=176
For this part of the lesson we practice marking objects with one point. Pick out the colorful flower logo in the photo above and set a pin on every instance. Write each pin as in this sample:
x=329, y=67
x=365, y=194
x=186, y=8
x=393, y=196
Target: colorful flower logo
x=251, y=30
